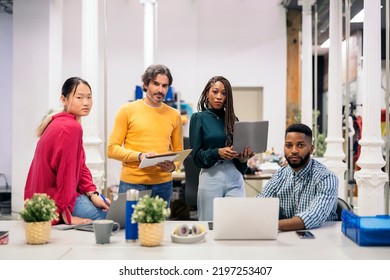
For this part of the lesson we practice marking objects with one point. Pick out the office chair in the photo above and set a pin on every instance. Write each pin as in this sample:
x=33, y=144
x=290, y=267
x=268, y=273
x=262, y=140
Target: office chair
x=192, y=178
x=191, y=182
x=342, y=204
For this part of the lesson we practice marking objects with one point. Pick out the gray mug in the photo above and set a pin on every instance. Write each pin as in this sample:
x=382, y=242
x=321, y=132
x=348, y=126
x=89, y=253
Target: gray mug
x=104, y=229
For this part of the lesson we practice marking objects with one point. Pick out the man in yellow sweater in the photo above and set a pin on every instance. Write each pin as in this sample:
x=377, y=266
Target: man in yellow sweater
x=146, y=127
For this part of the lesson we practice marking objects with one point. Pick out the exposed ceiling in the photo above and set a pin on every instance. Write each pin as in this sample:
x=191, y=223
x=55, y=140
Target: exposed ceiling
x=321, y=7
x=6, y=6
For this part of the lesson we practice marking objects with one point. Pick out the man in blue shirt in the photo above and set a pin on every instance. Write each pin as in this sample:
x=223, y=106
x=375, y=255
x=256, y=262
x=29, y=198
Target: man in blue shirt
x=307, y=190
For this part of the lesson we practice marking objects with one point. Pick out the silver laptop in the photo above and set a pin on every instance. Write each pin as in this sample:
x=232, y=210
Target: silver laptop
x=250, y=134
x=117, y=211
x=245, y=218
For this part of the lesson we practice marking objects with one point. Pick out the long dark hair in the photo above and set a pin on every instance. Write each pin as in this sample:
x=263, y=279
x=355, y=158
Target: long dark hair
x=230, y=116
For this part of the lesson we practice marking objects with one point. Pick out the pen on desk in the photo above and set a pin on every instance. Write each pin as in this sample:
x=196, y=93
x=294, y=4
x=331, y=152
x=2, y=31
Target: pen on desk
x=104, y=199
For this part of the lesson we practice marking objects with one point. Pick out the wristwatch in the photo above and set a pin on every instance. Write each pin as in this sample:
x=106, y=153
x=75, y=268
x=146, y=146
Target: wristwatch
x=92, y=194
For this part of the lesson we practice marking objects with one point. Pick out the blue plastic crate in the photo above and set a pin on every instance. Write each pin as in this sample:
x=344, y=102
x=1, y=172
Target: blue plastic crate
x=366, y=230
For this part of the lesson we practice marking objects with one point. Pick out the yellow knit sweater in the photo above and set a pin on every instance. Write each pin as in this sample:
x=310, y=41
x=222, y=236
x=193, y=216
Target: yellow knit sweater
x=141, y=128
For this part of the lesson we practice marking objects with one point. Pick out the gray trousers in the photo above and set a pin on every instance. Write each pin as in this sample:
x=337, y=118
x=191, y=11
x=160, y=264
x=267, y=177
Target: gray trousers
x=221, y=180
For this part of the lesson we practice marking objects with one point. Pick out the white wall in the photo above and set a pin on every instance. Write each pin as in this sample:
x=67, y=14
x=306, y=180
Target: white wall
x=199, y=39
x=30, y=86
x=240, y=40
x=5, y=96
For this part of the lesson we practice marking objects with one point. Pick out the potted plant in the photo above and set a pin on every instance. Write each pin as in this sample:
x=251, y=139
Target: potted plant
x=150, y=213
x=38, y=213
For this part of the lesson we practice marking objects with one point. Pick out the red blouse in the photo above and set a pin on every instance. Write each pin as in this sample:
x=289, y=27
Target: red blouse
x=58, y=167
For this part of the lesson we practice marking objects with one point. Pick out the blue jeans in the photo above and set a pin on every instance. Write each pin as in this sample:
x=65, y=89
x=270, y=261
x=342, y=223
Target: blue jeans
x=84, y=208
x=221, y=180
x=163, y=190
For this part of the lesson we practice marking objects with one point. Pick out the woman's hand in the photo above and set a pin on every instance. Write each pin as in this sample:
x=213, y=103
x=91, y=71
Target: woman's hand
x=227, y=153
x=247, y=154
x=80, y=221
x=75, y=220
x=98, y=201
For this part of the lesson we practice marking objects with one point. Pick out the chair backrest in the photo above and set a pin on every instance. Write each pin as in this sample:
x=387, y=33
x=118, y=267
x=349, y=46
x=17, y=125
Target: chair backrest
x=192, y=178
x=342, y=204
x=191, y=182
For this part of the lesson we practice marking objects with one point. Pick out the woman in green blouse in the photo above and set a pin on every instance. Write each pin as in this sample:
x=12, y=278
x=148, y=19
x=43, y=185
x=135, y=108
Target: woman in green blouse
x=211, y=140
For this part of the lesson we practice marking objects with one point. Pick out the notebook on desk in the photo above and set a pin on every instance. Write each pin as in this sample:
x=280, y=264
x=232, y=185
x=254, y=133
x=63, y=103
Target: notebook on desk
x=117, y=211
x=250, y=134
x=245, y=218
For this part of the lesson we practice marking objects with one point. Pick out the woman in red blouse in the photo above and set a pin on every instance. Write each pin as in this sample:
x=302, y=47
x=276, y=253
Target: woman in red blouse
x=58, y=167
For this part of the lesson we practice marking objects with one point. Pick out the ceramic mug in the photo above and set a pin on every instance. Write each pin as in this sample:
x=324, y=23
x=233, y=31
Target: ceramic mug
x=104, y=229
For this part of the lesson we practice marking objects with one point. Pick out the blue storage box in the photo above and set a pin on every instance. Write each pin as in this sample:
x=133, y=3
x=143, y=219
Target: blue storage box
x=366, y=230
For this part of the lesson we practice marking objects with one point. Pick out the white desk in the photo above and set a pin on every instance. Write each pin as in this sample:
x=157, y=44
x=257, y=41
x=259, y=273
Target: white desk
x=178, y=175
x=181, y=175
x=254, y=183
x=330, y=244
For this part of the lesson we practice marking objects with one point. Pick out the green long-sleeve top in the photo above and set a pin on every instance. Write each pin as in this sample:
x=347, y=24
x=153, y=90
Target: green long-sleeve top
x=207, y=135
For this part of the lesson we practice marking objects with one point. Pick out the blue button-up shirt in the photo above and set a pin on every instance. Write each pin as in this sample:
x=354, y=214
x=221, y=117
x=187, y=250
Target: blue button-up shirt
x=311, y=193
